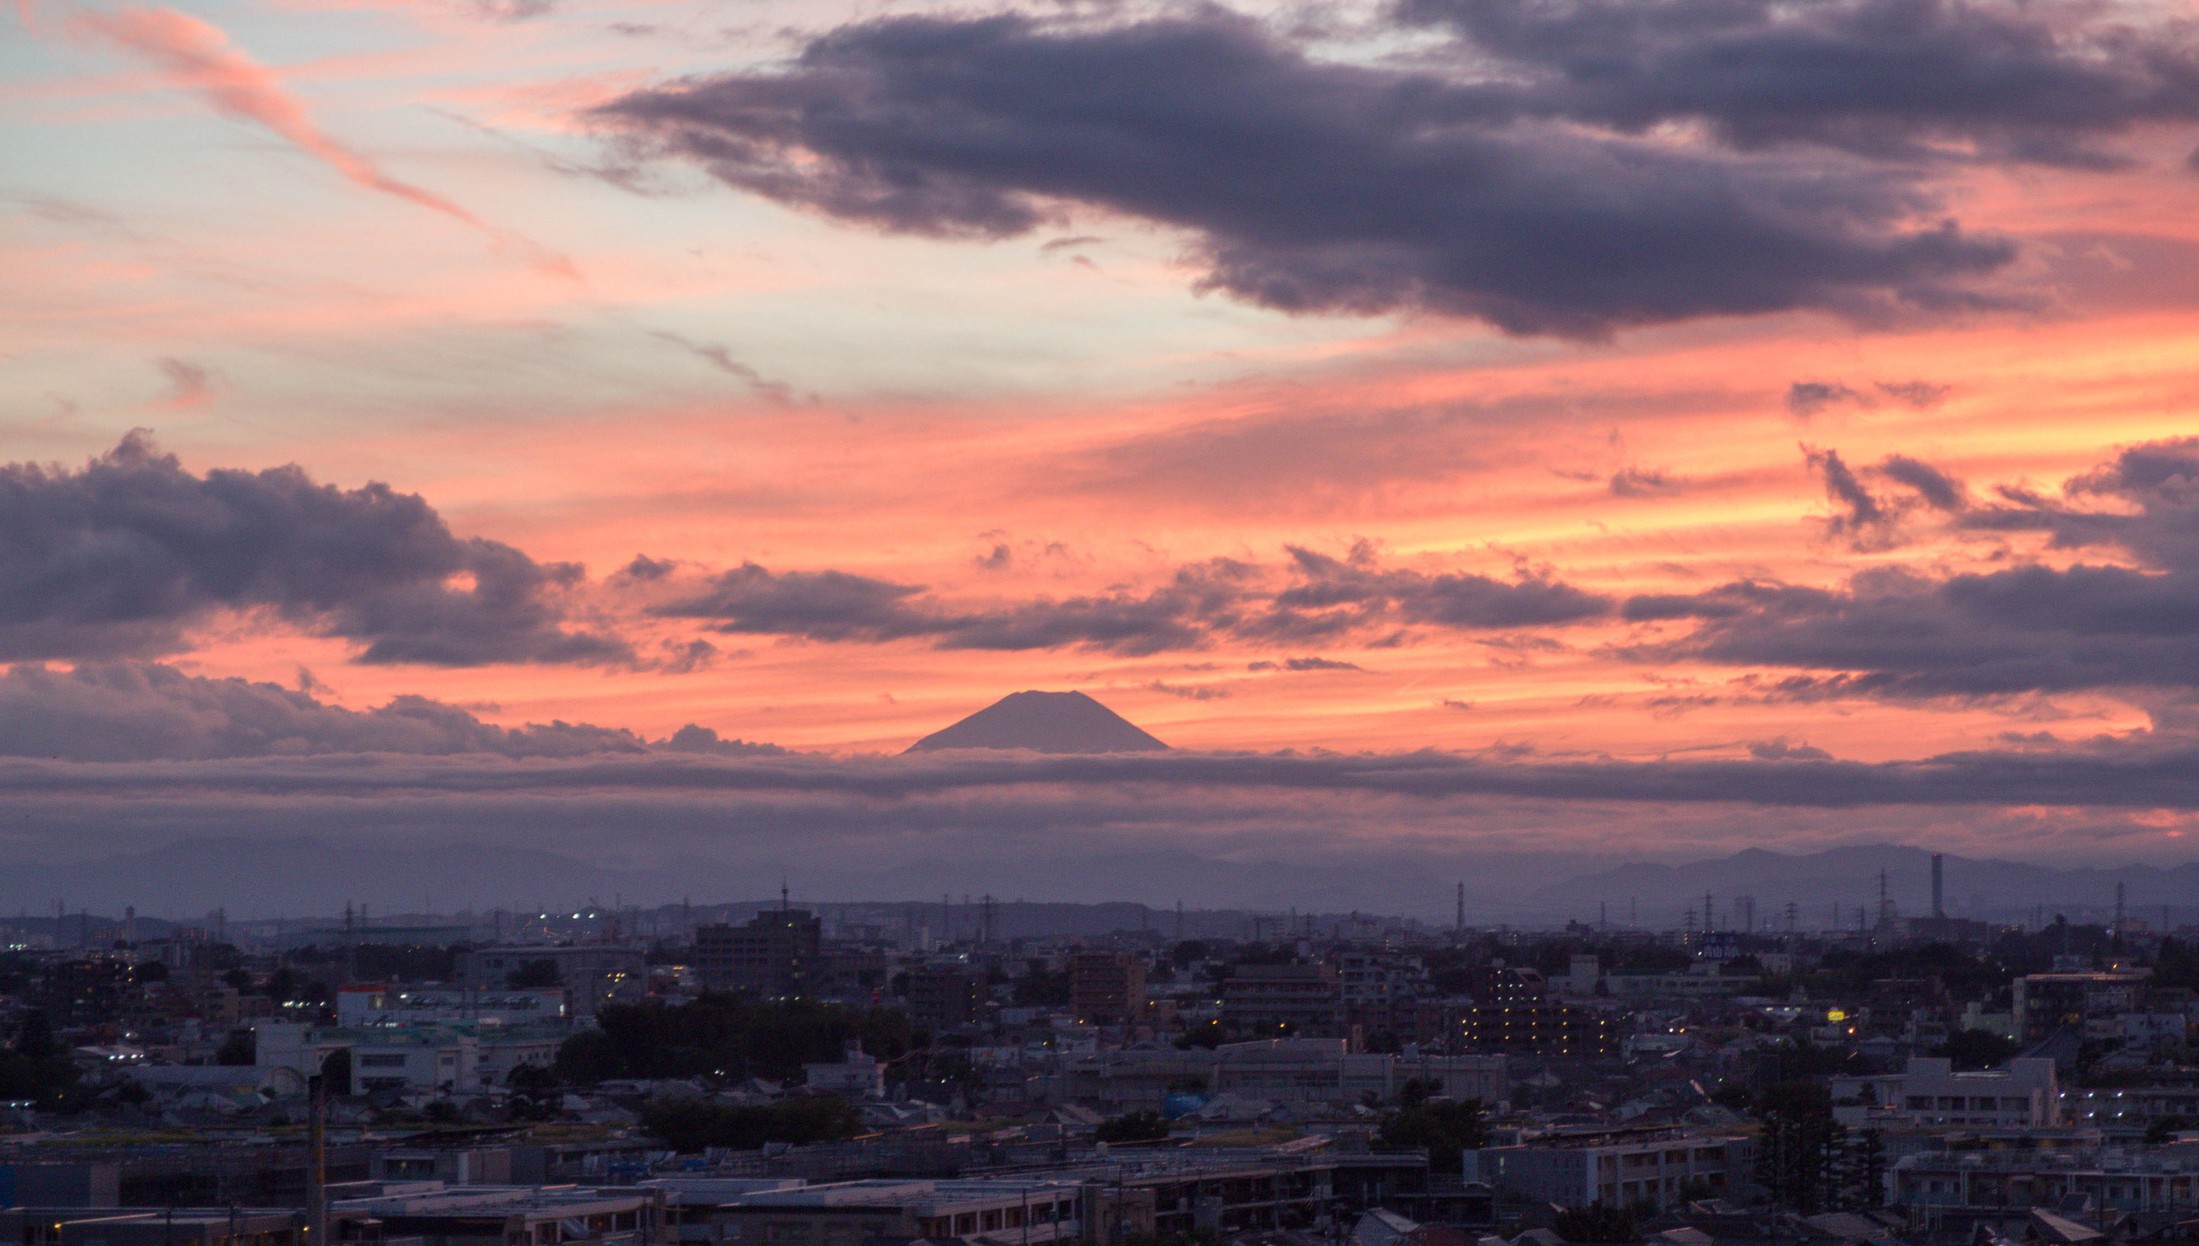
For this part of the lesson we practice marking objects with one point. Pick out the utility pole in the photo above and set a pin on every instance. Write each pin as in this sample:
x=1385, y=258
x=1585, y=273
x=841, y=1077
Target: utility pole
x=316, y=1160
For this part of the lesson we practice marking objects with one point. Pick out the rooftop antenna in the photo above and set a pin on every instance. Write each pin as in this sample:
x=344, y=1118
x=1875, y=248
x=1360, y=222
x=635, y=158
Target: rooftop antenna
x=784, y=894
x=1709, y=923
x=1939, y=884
x=1459, y=926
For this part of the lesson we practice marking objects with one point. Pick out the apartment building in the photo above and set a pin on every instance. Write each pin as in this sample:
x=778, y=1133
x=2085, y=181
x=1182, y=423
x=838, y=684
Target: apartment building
x=1618, y=1167
x=1107, y=988
x=1295, y=999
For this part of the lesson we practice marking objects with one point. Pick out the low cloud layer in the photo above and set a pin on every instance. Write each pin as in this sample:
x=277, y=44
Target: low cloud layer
x=145, y=711
x=121, y=557
x=1314, y=186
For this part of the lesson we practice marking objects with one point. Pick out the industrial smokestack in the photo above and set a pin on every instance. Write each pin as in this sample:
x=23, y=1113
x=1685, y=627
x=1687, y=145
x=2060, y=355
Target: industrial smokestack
x=1939, y=884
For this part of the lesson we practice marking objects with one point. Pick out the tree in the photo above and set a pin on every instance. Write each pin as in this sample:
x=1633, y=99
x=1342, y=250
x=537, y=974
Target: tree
x=1445, y=1128
x=1970, y=1050
x=1596, y=1223
x=1865, y=1170
x=1133, y=1127
x=1799, y=1154
x=36, y=1067
x=721, y=1036
x=240, y=1048
x=534, y=975
x=535, y=1093
x=283, y=983
x=34, y=1038
x=336, y=1071
x=692, y=1124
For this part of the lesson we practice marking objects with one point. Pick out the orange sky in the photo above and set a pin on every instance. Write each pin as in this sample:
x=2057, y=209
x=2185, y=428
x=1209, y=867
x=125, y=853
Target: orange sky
x=388, y=242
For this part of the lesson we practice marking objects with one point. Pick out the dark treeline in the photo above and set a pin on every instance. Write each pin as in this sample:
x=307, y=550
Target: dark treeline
x=724, y=1037
x=693, y=1124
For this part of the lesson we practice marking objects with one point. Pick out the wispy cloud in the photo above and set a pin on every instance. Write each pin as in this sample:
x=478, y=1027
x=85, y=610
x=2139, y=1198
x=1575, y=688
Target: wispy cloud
x=196, y=55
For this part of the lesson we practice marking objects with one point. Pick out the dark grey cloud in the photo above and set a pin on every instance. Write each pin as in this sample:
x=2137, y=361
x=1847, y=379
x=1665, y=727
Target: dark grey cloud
x=1807, y=398
x=120, y=557
x=1304, y=664
x=1900, y=79
x=1783, y=749
x=1188, y=692
x=142, y=711
x=1870, y=520
x=1858, y=511
x=2151, y=494
x=644, y=568
x=1356, y=590
x=840, y=606
x=1922, y=395
x=1932, y=486
x=2024, y=629
x=1310, y=186
x=1636, y=482
x=1315, y=596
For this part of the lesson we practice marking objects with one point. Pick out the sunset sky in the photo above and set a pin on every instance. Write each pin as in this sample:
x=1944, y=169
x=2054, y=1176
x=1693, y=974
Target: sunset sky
x=1639, y=427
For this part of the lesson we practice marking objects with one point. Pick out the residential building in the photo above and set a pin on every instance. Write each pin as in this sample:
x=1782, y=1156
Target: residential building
x=2089, y=1002
x=943, y=1000
x=591, y=974
x=1284, y=1070
x=504, y=1216
x=1518, y=1013
x=377, y=1004
x=1293, y=999
x=2154, y=1179
x=856, y=1075
x=2022, y=1094
x=1617, y=1167
x=1107, y=988
x=417, y=1058
x=852, y=1213
x=776, y=954
x=143, y=1226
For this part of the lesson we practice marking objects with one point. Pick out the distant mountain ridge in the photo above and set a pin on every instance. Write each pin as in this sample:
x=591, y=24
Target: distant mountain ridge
x=300, y=875
x=1848, y=877
x=1044, y=722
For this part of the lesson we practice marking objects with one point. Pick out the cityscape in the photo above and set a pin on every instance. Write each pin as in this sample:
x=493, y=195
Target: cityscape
x=990, y=1071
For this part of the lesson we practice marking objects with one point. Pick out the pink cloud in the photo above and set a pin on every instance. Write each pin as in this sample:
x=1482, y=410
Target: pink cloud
x=197, y=55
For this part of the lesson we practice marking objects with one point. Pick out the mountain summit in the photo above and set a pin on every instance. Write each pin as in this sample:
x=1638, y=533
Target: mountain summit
x=1044, y=722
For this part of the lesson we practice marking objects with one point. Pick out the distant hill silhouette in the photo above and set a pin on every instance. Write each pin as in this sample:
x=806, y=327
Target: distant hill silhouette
x=1044, y=722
